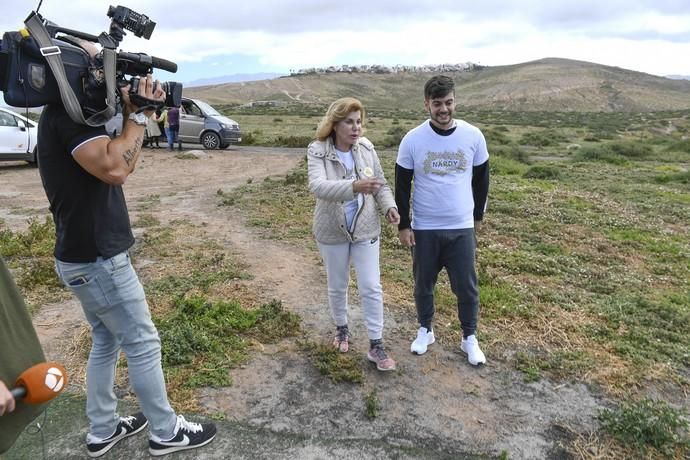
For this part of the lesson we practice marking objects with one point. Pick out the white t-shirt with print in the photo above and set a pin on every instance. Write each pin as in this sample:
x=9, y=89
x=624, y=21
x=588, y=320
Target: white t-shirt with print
x=442, y=165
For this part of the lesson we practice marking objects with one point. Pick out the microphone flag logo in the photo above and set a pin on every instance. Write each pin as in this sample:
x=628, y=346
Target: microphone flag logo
x=54, y=379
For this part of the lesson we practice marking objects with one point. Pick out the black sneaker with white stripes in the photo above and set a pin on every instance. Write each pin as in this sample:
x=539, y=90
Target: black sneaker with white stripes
x=188, y=435
x=127, y=427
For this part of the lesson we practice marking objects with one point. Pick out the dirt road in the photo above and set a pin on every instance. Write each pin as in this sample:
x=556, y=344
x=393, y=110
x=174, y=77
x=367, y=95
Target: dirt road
x=436, y=403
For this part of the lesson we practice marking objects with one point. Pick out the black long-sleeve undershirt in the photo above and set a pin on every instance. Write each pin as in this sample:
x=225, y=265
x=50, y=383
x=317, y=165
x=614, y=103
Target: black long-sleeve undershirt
x=403, y=189
x=480, y=188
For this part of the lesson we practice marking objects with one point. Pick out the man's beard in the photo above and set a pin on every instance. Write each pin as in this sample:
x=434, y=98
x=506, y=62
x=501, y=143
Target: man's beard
x=436, y=118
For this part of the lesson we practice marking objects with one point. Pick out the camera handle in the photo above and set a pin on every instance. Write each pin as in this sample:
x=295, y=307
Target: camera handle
x=51, y=53
x=144, y=103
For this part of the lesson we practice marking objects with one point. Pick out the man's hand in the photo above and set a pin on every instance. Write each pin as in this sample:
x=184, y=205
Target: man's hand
x=477, y=226
x=392, y=216
x=7, y=402
x=149, y=89
x=406, y=237
x=371, y=185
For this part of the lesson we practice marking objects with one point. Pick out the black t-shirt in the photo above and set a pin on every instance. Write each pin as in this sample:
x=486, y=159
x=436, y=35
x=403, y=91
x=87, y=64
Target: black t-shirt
x=91, y=218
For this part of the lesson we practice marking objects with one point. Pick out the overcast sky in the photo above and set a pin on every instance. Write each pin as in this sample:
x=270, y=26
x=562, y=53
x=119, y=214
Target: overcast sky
x=209, y=38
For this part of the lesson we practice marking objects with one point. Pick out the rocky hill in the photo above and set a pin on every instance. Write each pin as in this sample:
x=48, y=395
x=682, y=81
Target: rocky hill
x=550, y=84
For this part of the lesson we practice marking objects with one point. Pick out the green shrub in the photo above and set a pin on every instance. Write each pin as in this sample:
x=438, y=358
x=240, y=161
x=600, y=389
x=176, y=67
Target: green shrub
x=545, y=172
x=514, y=153
x=681, y=177
x=215, y=333
x=371, y=403
x=291, y=141
x=679, y=146
x=506, y=166
x=542, y=138
x=249, y=138
x=647, y=423
x=394, y=136
x=599, y=153
x=495, y=136
x=31, y=254
x=631, y=149
x=339, y=367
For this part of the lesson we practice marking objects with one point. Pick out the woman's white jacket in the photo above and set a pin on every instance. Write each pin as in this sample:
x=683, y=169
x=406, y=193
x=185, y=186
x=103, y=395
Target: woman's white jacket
x=327, y=182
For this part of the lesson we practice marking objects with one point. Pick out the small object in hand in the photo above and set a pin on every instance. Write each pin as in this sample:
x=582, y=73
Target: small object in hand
x=368, y=172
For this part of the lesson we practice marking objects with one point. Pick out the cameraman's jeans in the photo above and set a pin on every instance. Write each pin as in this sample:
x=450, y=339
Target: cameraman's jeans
x=171, y=134
x=114, y=303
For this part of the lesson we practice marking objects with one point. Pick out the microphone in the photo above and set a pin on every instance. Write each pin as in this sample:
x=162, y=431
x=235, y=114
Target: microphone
x=40, y=383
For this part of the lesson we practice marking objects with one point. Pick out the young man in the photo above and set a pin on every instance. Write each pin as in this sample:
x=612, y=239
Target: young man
x=449, y=163
x=82, y=171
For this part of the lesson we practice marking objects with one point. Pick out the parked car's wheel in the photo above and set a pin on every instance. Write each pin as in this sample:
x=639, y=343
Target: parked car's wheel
x=210, y=140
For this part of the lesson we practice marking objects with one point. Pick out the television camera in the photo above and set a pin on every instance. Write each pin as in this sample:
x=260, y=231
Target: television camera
x=48, y=64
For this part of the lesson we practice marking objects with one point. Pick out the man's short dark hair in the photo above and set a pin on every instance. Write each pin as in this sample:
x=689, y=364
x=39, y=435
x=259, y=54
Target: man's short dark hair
x=438, y=86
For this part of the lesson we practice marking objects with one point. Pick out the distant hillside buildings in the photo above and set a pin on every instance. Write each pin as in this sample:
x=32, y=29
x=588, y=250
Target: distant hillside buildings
x=464, y=67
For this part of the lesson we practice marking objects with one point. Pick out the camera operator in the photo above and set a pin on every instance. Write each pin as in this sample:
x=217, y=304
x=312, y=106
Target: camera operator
x=83, y=170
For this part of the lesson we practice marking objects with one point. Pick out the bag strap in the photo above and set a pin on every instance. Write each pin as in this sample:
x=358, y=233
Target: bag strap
x=51, y=53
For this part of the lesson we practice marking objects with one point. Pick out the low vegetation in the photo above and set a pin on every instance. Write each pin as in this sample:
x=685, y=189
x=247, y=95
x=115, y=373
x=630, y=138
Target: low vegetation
x=582, y=258
x=583, y=261
x=338, y=367
x=208, y=321
x=649, y=426
x=29, y=254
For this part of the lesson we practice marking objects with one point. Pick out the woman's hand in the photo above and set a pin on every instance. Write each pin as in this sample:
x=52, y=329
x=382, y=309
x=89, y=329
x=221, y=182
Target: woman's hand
x=392, y=216
x=370, y=185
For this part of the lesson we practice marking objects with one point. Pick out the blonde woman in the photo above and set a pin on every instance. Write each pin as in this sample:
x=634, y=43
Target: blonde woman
x=347, y=179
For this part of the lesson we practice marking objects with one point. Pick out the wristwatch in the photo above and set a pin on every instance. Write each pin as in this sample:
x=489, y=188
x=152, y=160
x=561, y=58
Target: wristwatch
x=139, y=118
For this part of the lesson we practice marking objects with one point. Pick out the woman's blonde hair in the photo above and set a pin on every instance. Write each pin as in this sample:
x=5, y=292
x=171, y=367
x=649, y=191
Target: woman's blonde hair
x=338, y=111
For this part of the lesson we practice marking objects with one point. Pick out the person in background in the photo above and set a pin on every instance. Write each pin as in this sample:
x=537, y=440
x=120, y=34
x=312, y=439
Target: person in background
x=172, y=126
x=153, y=132
x=449, y=163
x=160, y=121
x=83, y=171
x=347, y=179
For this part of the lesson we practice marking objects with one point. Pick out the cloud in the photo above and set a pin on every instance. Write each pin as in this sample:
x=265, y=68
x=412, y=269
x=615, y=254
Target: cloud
x=311, y=33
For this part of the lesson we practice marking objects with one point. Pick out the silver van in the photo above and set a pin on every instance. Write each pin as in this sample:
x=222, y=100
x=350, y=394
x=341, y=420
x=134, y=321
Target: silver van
x=202, y=124
x=199, y=124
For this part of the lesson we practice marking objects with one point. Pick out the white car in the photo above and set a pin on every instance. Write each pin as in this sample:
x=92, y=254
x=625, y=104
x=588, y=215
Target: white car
x=17, y=137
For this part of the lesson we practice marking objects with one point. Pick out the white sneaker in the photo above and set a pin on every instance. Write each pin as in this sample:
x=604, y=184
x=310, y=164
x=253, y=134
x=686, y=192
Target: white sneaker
x=423, y=340
x=471, y=347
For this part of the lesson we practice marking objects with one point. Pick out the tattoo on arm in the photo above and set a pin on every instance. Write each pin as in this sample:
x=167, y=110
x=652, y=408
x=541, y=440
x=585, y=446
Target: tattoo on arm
x=130, y=155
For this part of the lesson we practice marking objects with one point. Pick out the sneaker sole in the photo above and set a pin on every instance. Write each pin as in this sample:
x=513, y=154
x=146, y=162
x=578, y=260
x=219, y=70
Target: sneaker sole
x=105, y=450
x=382, y=369
x=425, y=350
x=468, y=358
x=170, y=450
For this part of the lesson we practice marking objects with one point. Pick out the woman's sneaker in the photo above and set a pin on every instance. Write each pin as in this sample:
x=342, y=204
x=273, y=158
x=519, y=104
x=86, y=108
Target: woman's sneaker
x=471, y=347
x=127, y=427
x=188, y=435
x=377, y=354
x=342, y=339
